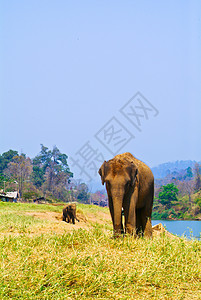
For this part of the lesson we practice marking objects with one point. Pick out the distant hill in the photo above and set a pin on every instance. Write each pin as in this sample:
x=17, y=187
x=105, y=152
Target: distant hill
x=165, y=169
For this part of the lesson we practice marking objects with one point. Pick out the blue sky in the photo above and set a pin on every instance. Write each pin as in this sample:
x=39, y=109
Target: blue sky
x=67, y=67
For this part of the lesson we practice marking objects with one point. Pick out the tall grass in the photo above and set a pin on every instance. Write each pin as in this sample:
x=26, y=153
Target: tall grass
x=89, y=264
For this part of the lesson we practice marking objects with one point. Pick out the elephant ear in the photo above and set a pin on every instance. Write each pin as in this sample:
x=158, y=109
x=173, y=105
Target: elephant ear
x=134, y=174
x=69, y=207
x=102, y=172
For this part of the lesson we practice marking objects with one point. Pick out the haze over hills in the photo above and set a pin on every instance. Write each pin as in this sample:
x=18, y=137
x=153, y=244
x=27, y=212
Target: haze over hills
x=165, y=169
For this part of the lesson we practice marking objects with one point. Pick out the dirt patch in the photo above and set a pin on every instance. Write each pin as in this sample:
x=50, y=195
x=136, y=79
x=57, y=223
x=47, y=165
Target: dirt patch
x=85, y=222
x=49, y=215
x=55, y=223
x=54, y=216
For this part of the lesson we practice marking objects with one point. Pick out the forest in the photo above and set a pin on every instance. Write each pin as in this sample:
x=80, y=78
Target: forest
x=48, y=176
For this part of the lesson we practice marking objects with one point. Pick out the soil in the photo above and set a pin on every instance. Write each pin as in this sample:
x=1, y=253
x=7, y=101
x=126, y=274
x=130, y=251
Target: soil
x=56, y=224
x=53, y=224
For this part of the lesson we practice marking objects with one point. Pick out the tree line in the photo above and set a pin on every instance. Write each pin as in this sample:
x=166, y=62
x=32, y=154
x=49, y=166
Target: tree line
x=46, y=175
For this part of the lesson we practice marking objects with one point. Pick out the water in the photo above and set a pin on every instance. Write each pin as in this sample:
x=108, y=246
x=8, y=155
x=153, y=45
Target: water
x=188, y=229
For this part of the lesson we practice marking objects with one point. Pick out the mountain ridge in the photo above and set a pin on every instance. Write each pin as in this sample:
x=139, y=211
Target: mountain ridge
x=164, y=169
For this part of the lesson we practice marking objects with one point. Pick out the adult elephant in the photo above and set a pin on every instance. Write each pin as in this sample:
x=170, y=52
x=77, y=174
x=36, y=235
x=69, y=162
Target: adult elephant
x=69, y=213
x=130, y=185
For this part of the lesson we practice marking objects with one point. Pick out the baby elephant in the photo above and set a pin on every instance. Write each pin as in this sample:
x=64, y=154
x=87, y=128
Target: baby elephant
x=69, y=213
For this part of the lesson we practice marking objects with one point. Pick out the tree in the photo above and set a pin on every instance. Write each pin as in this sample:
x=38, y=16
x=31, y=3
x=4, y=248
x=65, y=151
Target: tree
x=38, y=176
x=51, y=171
x=189, y=188
x=20, y=169
x=197, y=177
x=168, y=195
x=99, y=198
x=6, y=158
x=189, y=172
x=83, y=195
x=40, y=164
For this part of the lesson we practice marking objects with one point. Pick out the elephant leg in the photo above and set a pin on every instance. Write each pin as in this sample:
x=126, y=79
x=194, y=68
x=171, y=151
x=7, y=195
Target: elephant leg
x=131, y=222
x=138, y=222
x=130, y=213
x=68, y=218
x=64, y=218
x=73, y=220
x=146, y=213
x=146, y=222
x=130, y=219
x=148, y=228
x=111, y=208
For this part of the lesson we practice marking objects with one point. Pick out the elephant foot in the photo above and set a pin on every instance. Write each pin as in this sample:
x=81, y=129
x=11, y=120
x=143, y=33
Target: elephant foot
x=131, y=231
x=118, y=231
x=148, y=229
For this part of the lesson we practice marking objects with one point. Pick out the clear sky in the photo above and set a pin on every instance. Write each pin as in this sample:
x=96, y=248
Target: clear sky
x=68, y=67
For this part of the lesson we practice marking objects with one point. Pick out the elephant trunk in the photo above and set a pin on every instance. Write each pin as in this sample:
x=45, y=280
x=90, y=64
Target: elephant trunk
x=117, y=204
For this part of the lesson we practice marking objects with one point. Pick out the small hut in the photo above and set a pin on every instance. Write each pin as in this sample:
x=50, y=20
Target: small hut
x=9, y=196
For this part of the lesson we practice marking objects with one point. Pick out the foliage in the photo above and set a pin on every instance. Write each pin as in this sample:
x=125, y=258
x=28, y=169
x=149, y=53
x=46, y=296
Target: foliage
x=20, y=169
x=165, y=214
x=30, y=195
x=197, y=170
x=168, y=195
x=3, y=180
x=38, y=176
x=198, y=202
x=48, y=174
x=189, y=173
x=83, y=195
x=6, y=158
x=51, y=171
x=99, y=198
x=181, y=210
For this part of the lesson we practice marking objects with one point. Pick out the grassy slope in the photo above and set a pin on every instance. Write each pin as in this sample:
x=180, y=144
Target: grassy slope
x=88, y=263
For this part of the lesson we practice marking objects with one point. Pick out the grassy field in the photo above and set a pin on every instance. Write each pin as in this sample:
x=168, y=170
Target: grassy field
x=44, y=258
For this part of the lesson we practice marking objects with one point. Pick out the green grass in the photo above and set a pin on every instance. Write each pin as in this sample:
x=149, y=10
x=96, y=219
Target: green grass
x=28, y=207
x=89, y=264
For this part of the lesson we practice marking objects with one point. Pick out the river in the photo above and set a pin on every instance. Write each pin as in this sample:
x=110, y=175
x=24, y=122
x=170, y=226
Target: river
x=182, y=228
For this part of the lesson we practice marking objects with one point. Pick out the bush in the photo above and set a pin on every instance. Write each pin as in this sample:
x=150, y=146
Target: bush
x=198, y=202
x=30, y=195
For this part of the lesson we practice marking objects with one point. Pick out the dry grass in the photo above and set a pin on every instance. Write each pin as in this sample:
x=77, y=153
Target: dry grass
x=88, y=263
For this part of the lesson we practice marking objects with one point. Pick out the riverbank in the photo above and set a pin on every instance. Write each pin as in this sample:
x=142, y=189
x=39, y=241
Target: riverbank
x=185, y=228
